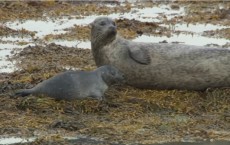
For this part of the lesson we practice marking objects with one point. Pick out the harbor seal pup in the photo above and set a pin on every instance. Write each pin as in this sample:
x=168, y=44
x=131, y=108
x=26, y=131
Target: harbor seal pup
x=77, y=84
x=159, y=65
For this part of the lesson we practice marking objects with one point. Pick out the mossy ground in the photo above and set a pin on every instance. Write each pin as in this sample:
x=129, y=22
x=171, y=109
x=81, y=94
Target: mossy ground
x=128, y=115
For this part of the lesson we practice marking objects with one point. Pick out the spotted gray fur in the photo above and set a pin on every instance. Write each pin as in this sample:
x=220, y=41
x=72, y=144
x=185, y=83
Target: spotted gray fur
x=160, y=66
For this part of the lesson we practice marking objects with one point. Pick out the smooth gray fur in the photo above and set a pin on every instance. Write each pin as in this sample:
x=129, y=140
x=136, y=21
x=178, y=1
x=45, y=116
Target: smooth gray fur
x=159, y=66
x=77, y=84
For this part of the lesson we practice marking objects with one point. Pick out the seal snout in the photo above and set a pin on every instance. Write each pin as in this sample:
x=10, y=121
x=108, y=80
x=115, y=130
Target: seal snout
x=120, y=77
x=123, y=80
x=113, y=29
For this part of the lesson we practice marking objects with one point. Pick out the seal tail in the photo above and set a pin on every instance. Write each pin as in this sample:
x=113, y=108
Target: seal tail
x=23, y=93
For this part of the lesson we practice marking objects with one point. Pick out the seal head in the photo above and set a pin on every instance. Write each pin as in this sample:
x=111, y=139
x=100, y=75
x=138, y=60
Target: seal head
x=104, y=31
x=111, y=75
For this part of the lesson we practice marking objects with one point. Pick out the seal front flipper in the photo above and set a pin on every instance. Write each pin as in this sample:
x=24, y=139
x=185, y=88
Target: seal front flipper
x=23, y=93
x=140, y=55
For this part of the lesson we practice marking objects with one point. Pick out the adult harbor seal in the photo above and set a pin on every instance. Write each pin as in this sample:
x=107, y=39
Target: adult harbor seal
x=77, y=84
x=157, y=65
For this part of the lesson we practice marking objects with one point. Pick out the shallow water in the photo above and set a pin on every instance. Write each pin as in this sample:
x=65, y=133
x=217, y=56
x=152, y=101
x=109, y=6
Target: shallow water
x=5, y=52
x=58, y=26
x=90, y=140
x=198, y=143
x=76, y=43
x=197, y=28
x=78, y=139
x=183, y=38
x=14, y=140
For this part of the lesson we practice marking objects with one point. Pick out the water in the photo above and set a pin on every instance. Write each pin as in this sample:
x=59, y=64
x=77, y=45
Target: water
x=49, y=26
x=76, y=43
x=90, y=140
x=182, y=38
x=5, y=52
x=58, y=26
x=79, y=139
x=14, y=140
x=197, y=28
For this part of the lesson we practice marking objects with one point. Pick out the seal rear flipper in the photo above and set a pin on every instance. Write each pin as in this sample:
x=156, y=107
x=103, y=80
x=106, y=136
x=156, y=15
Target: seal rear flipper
x=140, y=55
x=23, y=93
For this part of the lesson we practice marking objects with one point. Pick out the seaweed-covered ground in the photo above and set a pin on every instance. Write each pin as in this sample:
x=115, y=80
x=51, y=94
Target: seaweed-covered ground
x=129, y=115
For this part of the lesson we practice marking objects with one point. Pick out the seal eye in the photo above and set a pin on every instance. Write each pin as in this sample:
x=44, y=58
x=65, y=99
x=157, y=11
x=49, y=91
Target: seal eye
x=113, y=73
x=102, y=23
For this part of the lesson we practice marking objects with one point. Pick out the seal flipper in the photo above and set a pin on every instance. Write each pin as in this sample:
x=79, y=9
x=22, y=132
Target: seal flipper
x=23, y=93
x=140, y=55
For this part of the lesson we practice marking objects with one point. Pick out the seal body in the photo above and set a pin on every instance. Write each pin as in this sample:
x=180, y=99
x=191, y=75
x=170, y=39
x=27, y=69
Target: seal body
x=160, y=66
x=77, y=84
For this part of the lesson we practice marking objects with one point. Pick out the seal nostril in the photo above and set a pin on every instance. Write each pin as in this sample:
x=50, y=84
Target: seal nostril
x=113, y=28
